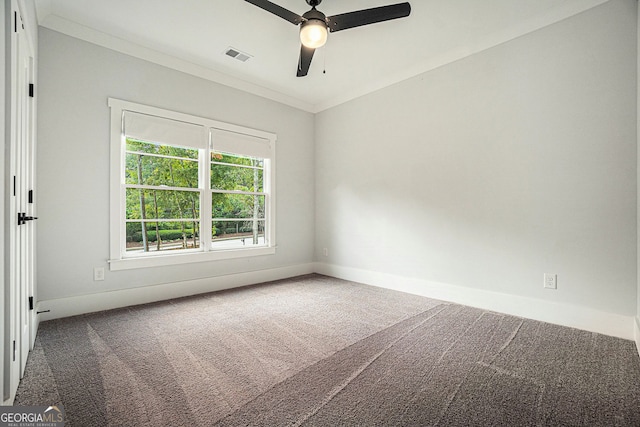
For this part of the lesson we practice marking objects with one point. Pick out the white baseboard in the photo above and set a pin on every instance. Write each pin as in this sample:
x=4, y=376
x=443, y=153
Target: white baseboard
x=627, y=327
x=557, y=313
x=636, y=330
x=82, y=304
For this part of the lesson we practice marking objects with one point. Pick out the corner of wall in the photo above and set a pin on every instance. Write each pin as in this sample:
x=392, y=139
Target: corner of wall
x=89, y=303
x=637, y=319
x=572, y=316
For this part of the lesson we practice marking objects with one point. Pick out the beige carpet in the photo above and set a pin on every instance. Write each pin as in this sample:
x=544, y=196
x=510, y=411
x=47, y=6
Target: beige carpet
x=316, y=351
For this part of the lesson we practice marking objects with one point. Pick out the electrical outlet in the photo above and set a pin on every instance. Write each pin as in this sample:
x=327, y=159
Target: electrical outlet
x=98, y=274
x=550, y=281
x=325, y=252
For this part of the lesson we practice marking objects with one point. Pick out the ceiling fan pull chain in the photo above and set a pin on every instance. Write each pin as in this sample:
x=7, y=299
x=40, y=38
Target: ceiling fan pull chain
x=324, y=60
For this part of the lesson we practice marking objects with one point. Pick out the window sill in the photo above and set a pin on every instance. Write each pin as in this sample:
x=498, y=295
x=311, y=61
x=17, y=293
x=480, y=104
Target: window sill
x=187, y=258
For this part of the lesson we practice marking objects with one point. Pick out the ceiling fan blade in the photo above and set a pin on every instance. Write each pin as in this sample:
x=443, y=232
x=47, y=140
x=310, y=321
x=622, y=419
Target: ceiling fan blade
x=368, y=16
x=306, y=55
x=277, y=10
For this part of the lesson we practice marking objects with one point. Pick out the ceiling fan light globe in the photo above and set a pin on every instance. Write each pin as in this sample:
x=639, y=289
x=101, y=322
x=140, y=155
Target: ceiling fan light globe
x=313, y=33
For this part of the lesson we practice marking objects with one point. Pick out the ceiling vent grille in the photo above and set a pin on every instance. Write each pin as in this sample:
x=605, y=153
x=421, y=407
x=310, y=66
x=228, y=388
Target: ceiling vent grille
x=237, y=54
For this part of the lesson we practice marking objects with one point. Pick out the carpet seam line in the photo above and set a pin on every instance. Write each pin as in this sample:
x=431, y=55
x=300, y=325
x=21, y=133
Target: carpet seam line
x=336, y=390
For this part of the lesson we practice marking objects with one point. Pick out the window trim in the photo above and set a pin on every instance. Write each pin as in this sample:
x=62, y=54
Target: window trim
x=117, y=231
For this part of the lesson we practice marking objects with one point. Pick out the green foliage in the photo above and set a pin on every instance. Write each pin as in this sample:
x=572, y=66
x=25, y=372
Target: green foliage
x=163, y=204
x=227, y=175
x=225, y=228
x=165, y=235
x=239, y=206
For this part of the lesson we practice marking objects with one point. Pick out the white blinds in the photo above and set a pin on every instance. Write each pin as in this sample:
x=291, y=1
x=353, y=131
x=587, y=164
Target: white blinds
x=238, y=143
x=164, y=131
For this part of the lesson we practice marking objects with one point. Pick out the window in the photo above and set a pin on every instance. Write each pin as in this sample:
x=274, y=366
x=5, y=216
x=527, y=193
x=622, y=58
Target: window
x=238, y=198
x=187, y=189
x=162, y=197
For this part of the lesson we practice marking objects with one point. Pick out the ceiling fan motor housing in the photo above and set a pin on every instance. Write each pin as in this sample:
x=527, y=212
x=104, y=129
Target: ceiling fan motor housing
x=314, y=14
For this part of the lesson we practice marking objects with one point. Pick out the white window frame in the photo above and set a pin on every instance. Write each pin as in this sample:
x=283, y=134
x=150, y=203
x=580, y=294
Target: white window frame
x=119, y=258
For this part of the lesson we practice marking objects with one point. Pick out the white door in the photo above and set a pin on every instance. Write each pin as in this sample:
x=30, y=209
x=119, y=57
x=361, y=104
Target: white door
x=23, y=190
x=21, y=160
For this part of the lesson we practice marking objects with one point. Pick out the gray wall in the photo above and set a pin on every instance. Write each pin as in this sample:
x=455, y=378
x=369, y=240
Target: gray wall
x=488, y=172
x=73, y=164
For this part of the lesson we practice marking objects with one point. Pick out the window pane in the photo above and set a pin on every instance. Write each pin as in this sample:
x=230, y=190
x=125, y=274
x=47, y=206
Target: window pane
x=237, y=234
x=238, y=206
x=151, y=170
x=162, y=204
x=162, y=236
x=229, y=177
x=165, y=150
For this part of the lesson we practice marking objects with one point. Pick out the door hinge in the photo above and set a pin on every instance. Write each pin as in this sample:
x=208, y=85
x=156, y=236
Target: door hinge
x=14, y=350
x=31, y=90
x=14, y=185
x=23, y=218
x=15, y=22
x=30, y=196
x=30, y=303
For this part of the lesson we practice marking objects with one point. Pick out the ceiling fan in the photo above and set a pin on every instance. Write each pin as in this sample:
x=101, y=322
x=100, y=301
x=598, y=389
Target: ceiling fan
x=315, y=26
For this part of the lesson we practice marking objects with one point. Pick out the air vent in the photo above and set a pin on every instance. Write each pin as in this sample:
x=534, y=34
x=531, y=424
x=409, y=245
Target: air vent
x=237, y=54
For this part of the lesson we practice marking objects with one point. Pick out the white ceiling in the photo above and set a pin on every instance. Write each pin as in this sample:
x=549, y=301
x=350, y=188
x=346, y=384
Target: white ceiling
x=192, y=35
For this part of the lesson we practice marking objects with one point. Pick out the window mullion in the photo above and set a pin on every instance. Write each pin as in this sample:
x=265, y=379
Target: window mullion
x=240, y=192
x=238, y=166
x=122, y=208
x=160, y=188
x=138, y=220
x=270, y=225
x=161, y=156
x=205, y=198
